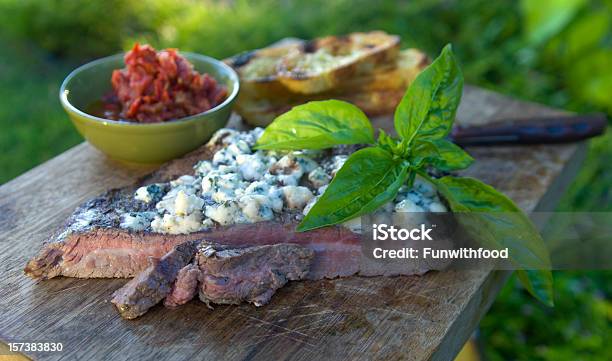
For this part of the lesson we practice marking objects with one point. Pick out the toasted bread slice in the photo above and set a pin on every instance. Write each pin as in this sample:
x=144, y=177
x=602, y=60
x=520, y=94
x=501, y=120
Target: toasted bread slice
x=408, y=65
x=324, y=63
x=376, y=94
x=391, y=76
x=257, y=69
x=263, y=72
x=260, y=112
x=262, y=64
x=375, y=103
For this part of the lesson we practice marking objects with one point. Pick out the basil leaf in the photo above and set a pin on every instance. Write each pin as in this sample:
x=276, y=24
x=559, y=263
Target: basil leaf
x=428, y=108
x=539, y=283
x=495, y=221
x=318, y=125
x=442, y=154
x=370, y=178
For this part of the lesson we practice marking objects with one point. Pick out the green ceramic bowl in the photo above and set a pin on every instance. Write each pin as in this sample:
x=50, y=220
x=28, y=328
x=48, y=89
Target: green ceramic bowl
x=151, y=143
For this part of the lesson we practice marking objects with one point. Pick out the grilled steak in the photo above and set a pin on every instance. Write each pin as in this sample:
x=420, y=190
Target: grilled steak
x=227, y=275
x=185, y=286
x=108, y=252
x=252, y=274
x=92, y=244
x=95, y=242
x=153, y=284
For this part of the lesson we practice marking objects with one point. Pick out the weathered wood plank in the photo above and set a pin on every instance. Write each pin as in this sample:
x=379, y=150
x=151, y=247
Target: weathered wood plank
x=412, y=318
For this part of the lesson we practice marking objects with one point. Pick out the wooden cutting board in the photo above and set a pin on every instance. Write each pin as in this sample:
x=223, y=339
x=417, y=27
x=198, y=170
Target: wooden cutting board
x=412, y=318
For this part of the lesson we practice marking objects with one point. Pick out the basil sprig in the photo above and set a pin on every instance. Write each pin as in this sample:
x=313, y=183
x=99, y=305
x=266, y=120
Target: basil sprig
x=371, y=177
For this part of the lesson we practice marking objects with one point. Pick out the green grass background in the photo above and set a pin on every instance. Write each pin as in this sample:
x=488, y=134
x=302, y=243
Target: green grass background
x=557, y=52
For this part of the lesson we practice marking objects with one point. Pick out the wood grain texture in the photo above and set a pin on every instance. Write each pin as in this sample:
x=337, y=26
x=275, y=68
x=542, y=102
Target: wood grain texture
x=401, y=318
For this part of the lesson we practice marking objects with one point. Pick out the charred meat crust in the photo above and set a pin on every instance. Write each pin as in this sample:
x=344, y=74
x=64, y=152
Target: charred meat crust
x=100, y=249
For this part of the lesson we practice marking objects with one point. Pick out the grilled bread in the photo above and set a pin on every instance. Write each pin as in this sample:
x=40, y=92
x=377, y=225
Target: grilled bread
x=366, y=69
x=376, y=93
x=310, y=67
x=257, y=69
x=325, y=63
x=406, y=67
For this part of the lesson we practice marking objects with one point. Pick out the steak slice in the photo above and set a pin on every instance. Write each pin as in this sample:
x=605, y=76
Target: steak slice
x=153, y=284
x=228, y=275
x=253, y=274
x=185, y=286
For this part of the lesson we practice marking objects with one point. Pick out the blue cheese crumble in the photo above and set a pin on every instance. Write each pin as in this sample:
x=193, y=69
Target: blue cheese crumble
x=137, y=221
x=149, y=193
x=421, y=198
x=243, y=185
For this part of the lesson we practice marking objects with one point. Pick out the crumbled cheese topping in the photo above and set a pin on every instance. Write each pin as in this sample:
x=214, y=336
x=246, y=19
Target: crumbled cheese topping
x=149, y=193
x=243, y=185
x=421, y=198
x=137, y=221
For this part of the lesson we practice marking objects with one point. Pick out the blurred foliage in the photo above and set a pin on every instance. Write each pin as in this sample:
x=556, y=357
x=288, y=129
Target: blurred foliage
x=72, y=28
x=554, y=51
x=549, y=50
x=33, y=125
x=592, y=191
x=557, y=52
x=577, y=328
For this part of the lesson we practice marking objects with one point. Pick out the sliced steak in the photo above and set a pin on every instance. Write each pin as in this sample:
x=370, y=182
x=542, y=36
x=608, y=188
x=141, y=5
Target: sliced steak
x=109, y=252
x=153, y=284
x=91, y=244
x=227, y=275
x=185, y=287
x=253, y=274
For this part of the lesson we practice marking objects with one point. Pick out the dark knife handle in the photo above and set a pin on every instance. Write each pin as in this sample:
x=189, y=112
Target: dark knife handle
x=557, y=129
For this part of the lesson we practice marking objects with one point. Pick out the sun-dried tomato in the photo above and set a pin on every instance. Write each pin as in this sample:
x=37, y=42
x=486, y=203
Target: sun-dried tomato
x=160, y=86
